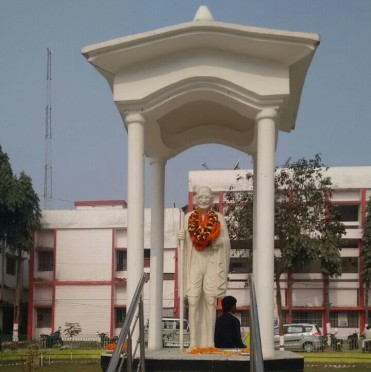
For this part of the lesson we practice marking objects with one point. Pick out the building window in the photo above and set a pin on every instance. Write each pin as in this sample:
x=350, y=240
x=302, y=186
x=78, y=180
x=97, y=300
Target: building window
x=10, y=265
x=120, y=314
x=242, y=244
x=167, y=312
x=147, y=257
x=348, y=213
x=310, y=267
x=240, y=265
x=314, y=317
x=121, y=260
x=349, y=243
x=349, y=265
x=45, y=260
x=168, y=276
x=44, y=317
x=245, y=318
x=344, y=319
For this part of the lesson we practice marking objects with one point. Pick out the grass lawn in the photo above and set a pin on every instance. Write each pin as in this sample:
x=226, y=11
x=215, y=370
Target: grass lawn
x=11, y=355
x=355, y=357
x=54, y=360
x=82, y=360
x=65, y=366
x=355, y=361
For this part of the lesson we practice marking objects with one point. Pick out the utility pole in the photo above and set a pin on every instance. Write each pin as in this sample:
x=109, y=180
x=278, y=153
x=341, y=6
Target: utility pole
x=48, y=188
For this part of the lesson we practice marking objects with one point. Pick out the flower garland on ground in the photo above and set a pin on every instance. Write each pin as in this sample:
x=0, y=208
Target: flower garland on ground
x=214, y=350
x=203, y=231
x=112, y=346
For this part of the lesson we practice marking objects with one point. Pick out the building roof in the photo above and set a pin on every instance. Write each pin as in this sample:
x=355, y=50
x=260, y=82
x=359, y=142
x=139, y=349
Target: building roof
x=100, y=204
x=222, y=180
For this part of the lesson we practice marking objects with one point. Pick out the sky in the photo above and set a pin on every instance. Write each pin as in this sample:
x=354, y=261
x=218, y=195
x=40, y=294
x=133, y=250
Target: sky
x=89, y=145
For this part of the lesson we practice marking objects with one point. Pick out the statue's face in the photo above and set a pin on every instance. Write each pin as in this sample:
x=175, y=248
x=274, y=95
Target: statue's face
x=204, y=199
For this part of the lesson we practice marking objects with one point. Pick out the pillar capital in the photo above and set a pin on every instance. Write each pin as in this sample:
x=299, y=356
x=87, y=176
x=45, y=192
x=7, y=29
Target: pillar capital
x=134, y=117
x=267, y=113
x=157, y=160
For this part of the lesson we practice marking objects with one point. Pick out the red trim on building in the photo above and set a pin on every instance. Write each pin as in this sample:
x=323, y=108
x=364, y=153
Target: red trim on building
x=321, y=308
x=324, y=322
x=345, y=202
x=324, y=311
x=362, y=320
x=242, y=308
x=363, y=207
x=190, y=201
x=219, y=304
x=112, y=321
x=288, y=298
x=42, y=283
x=54, y=278
x=83, y=282
x=121, y=281
x=30, y=290
x=99, y=203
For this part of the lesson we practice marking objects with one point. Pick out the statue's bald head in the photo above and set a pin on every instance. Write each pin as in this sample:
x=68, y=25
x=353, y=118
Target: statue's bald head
x=204, y=189
x=204, y=198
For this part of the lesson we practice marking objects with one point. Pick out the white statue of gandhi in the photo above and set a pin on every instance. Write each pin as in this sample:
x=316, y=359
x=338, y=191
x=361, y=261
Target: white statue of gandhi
x=206, y=264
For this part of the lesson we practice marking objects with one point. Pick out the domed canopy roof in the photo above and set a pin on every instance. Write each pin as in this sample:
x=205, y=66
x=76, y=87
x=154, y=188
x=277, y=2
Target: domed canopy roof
x=205, y=81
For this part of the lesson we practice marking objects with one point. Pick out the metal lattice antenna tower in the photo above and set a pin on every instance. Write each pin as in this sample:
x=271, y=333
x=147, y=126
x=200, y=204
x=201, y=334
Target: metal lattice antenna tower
x=48, y=190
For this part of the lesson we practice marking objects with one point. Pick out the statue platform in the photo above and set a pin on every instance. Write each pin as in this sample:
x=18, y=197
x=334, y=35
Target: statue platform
x=173, y=360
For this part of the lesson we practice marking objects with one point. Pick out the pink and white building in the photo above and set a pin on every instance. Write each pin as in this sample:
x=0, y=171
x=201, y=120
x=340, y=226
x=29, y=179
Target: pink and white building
x=78, y=272
x=79, y=267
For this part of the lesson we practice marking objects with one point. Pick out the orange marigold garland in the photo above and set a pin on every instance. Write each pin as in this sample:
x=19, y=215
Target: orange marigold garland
x=112, y=346
x=203, y=231
x=211, y=350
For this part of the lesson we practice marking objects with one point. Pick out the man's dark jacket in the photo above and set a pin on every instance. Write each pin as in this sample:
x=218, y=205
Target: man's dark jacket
x=228, y=332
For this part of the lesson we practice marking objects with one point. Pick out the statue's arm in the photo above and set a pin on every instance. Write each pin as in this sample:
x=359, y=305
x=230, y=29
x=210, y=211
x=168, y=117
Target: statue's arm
x=182, y=233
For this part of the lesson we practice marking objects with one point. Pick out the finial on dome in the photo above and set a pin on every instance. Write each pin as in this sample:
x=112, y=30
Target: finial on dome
x=203, y=14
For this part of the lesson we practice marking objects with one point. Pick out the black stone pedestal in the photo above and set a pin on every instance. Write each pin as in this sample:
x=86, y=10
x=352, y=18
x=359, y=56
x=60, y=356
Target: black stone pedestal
x=172, y=360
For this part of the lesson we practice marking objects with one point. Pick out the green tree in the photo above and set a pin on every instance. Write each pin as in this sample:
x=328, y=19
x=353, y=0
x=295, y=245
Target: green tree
x=329, y=253
x=366, y=257
x=72, y=330
x=6, y=180
x=19, y=216
x=302, y=228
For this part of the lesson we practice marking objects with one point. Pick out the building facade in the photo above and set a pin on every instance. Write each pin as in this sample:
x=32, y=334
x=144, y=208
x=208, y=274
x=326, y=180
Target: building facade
x=78, y=270
x=352, y=189
x=7, y=291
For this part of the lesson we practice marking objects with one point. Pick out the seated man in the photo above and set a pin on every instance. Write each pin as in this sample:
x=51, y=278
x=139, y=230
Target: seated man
x=227, y=326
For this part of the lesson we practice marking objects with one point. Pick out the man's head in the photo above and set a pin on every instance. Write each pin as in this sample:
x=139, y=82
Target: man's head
x=204, y=198
x=229, y=304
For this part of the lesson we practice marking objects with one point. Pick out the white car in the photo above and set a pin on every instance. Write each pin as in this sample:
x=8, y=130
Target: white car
x=171, y=332
x=299, y=337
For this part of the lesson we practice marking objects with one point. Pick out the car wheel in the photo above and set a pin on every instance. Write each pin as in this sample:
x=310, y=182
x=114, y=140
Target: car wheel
x=308, y=347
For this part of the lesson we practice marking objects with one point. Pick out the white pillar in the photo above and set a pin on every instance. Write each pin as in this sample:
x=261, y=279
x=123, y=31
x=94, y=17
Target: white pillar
x=255, y=224
x=135, y=233
x=264, y=247
x=157, y=253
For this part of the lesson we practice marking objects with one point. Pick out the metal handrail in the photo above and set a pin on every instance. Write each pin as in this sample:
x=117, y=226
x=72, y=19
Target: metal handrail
x=126, y=333
x=256, y=353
